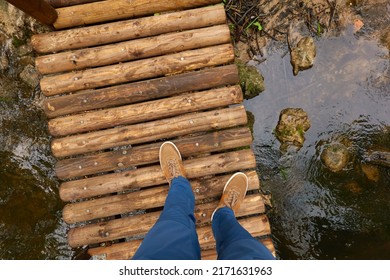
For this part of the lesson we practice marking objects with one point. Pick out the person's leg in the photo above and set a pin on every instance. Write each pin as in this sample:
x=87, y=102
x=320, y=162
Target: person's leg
x=173, y=236
x=233, y=241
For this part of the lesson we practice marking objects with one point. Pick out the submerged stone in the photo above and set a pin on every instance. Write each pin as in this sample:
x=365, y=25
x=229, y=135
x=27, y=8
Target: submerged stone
x=292, y=125
x=353, y=187
x=371, y=172
x=335, y=156
x=251, y=80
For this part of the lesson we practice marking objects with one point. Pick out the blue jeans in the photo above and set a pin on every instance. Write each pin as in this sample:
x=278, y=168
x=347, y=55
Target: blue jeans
x=174, y=236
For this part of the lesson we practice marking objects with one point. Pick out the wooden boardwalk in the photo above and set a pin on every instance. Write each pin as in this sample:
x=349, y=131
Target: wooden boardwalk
x=120, y=77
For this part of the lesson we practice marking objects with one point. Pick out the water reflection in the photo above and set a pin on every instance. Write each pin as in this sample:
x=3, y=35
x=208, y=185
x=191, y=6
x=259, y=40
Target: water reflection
x=319, y=214
x=31, y=225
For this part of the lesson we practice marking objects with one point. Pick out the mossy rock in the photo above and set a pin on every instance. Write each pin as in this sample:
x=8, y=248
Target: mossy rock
x=251, y=121
x=251, y=80
x=16, y=42
x=292, y=125
x=335, y=156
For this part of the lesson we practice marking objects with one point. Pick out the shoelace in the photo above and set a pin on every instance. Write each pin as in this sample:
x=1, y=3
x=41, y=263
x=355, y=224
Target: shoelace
x=232, y=198
x=173, y=168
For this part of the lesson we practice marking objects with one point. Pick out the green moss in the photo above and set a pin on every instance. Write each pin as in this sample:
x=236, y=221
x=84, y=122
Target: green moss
x=5, y=99
x=251, y=121
x=16, y=42
x=251, y=81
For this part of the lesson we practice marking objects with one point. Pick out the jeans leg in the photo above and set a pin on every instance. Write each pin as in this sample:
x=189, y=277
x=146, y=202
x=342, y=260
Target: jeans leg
x=173, y=237
x=233, y=241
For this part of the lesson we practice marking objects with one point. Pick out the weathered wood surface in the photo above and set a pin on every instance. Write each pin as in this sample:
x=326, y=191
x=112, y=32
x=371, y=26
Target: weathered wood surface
x=127, y=30
x=148, y=153
x=146, y=199
x=152, y=175
x=132, y=50
x=147, y=111
x=137, y=70
x=38, y=9
x=141, y=91
x=149, y=131
x=122, y=88
x=65, y=3
x=141, y=224
x=211, y=254
x=257, y=226
x=120, y=9
x=116, y=252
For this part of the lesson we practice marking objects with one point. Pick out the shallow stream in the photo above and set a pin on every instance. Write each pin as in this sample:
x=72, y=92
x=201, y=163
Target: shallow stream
x=318, y=214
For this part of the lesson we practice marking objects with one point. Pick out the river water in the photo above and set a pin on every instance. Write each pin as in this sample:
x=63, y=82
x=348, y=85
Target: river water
x=318, y=214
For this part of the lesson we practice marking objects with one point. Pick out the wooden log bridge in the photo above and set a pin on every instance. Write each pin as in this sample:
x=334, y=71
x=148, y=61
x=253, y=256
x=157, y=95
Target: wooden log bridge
x=121, y=77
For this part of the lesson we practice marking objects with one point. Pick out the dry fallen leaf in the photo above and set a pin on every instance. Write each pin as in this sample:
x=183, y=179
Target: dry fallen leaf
x=358, y=24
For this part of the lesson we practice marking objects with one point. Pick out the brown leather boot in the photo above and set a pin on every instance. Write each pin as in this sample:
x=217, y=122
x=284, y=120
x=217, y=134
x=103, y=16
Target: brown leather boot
x=170, y=161
x=233, y=193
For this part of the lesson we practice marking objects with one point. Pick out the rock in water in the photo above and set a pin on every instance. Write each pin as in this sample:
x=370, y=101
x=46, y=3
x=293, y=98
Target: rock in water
x=302, y=56
x=335, y=156
x=371, y=172
x=252, y=82
x=291, y=128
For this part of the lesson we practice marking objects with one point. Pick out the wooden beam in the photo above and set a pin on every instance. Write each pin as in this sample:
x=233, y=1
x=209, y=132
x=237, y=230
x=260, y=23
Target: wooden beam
x=120, y=9
x=137, y=70
x=133, y=50
x=127, y=30
x=38, y=9
x=66, y=3
x=211, y=254
x=146, y=111
x=141, y=91
x=257, y=226
x=140, y=224
x=150, y=131
x=146, y=199
x=152, y=175
x=147, y=154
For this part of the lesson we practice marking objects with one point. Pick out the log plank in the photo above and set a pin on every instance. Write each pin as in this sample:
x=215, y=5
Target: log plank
x=211, y=254
x=256, y=226
x=137, y=70
x=141, y=91
x=147, y=154
x=153, y=176
x=38, y=9
x=150, y=131
x=65, y=3
x=127, y=30
x=147, y=111
x=138, y=225
x=120, y=9
x=133, y=50
x=146, y=199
